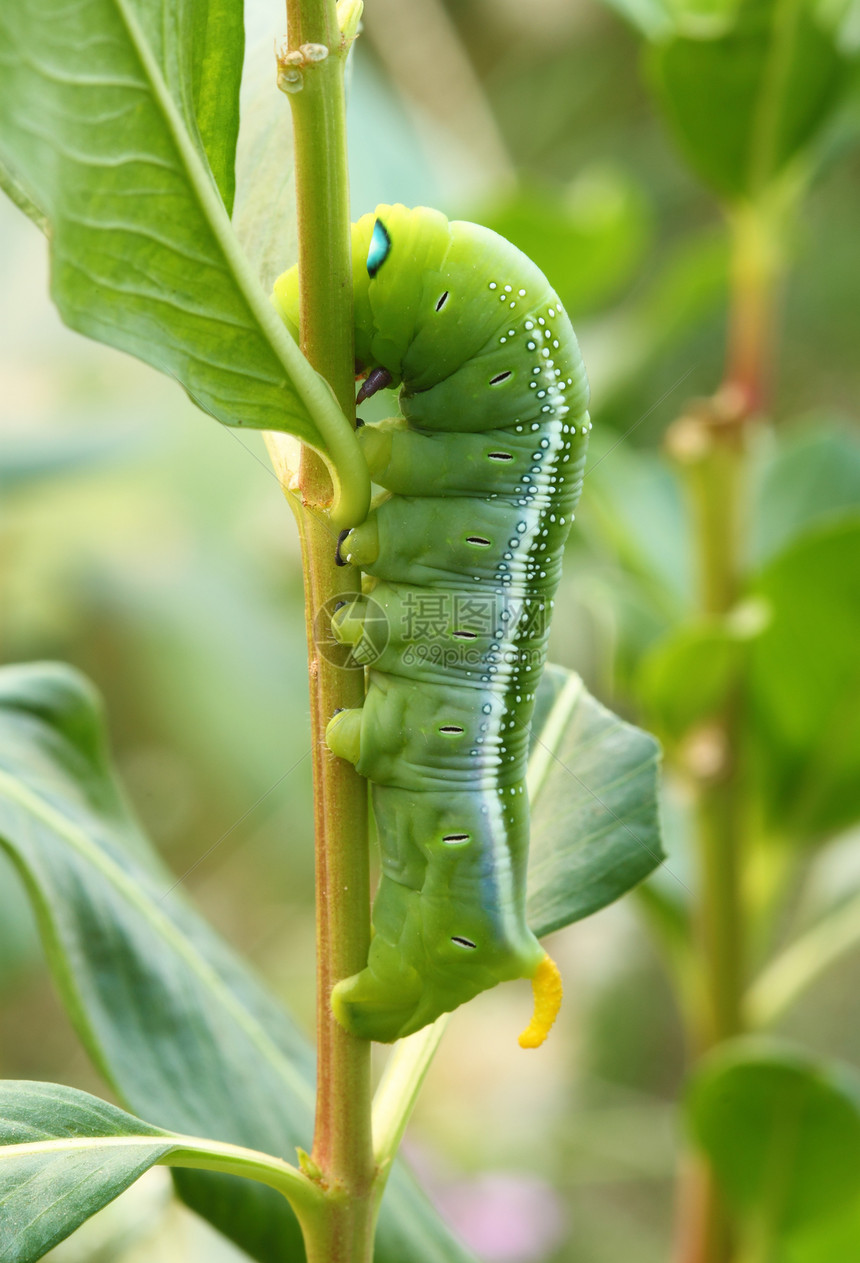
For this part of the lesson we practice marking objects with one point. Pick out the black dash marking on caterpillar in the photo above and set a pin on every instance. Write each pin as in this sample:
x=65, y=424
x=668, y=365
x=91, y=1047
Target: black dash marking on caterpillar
x=499, y=456
x=462, y=942
x=338, y=560
x=451, y=729
x=358, y=423
x=338, y=606
x=453, y=838
x=500, y=377
x=442, y=301
x=376, y=380
x=479, y=540
x=465, y=635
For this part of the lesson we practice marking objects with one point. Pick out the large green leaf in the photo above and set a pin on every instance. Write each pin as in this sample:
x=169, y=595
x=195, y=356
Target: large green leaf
x=180, y=1028
x=216, y=41
x=748, y=86
x=65, y=1154
x=652, y=18
x=639, y=506
x=805, y=683
x=790, y=651
x=589, y=239
x=264, y=216
x=833, y=1241
x=686, y=676
x=811, y=477
x=595, y=821
x=102, y=109
x=783, y=1135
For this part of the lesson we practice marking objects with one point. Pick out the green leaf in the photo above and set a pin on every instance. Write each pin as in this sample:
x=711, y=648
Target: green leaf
x=180, y=1028
x=595, y=822
x=652, y=18
x=804, y=683
x=65, y=1154
x=782, y=1133
x=747, y=88
x=685, y=677
x=641, y=512
x=589, y=239
x=217, y=45
x=98, y=131
x=264, y=216
x=837, y=1238
x=813, y=476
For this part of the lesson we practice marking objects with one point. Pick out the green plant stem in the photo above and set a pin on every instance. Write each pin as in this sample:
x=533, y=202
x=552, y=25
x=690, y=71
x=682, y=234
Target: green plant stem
x=208, y=1155
x=342, y=1135
x=710, y=444
x=756, y=261
x=711, y=448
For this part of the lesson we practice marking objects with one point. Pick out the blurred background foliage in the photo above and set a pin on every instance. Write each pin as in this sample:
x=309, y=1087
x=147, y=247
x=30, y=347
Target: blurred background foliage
x=139, y=542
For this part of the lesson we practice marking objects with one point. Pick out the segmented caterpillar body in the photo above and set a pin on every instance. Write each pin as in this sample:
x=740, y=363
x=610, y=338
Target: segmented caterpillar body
x=463, y=556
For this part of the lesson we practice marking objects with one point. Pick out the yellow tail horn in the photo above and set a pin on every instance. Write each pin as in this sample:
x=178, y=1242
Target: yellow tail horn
x=547, y=988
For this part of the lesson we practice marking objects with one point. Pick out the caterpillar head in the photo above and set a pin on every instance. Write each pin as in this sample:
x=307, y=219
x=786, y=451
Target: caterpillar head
x=393, y=250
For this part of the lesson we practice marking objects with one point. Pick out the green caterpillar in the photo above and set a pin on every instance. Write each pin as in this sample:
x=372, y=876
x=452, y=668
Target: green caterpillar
x=482, y=470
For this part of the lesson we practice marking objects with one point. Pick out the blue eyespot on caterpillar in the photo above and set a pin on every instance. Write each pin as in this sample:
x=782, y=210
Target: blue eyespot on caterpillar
x=462, y=557
x=379, y=248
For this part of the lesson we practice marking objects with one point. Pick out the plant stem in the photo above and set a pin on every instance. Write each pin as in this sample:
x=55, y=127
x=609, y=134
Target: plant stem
x=710, y=444
x=342, y=1135
x=710, y=447
x=756, y=259
x=715, y=481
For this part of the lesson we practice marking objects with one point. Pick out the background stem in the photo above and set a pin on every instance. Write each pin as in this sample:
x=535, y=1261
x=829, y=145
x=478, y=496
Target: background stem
x=712, y=452
x=342, y=1135
x=755, y=262
x=710, y=443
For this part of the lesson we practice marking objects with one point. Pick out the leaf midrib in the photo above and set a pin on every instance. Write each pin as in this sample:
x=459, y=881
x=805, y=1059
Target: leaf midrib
x=783, y=31
x=311, y=392
x=172, y=1150
x=551, y=733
